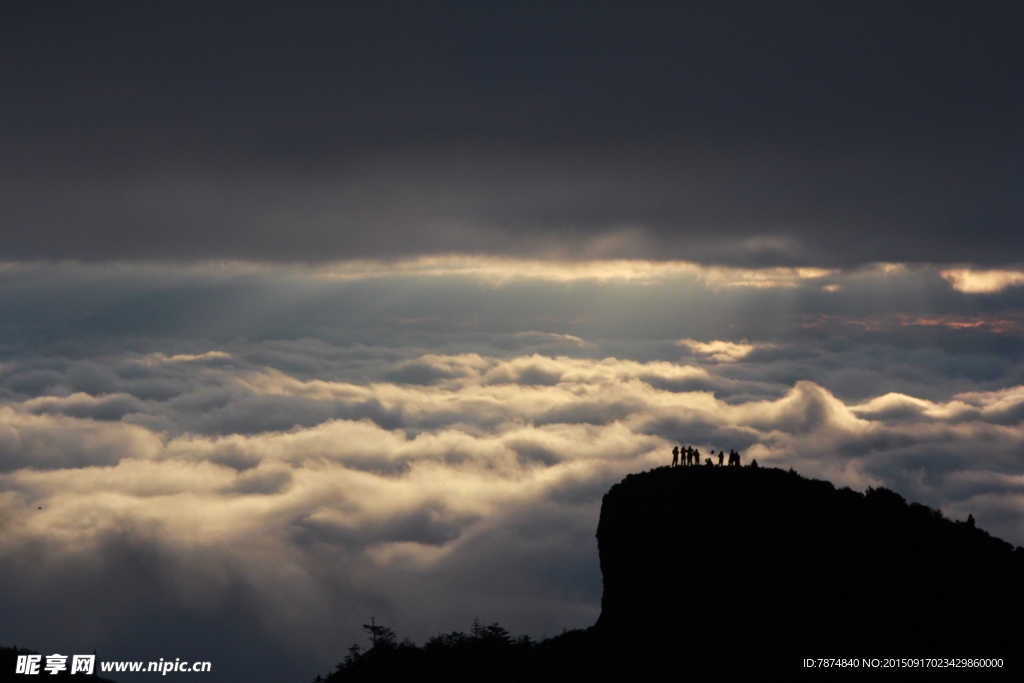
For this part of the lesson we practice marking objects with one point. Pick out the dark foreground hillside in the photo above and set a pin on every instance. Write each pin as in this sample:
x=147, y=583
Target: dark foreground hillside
x=747, y=567
x=716, y=571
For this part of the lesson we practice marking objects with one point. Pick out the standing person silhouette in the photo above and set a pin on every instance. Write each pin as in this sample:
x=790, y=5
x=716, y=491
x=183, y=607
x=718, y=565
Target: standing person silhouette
x=721, y=457
x=675, y=456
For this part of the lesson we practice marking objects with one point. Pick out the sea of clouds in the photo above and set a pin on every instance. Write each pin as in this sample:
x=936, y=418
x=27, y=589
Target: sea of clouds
x=213, y=460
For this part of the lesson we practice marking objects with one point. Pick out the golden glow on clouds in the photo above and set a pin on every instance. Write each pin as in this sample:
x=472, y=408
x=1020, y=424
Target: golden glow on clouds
x=327, y=471
x=985, y=323
x=500, y=270
x=551, y=336
x=988, y=323
x=720, y=351
x=349, y=507
x=157, y=358
x=814, y=273
x=982, y=281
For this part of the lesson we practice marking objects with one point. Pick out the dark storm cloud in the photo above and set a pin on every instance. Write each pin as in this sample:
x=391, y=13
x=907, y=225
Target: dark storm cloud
x=801, y=133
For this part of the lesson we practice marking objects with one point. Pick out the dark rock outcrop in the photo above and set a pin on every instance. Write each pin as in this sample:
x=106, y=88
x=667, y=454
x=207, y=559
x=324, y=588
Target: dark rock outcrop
x=708, y=569
x=743, y=573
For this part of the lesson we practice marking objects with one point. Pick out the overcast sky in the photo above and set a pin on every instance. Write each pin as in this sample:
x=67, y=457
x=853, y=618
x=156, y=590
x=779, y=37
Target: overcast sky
x=800, y=133
x=313, y=312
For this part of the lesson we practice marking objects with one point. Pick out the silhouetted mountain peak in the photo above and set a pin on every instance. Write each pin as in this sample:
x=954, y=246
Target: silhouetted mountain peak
x=709, y=557
x=719, y=572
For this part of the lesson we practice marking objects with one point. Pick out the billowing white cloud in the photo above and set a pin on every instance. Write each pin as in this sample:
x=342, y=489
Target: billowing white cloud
x=721, y=351
x=296, y=450
x=972, y=281
x=482, y=444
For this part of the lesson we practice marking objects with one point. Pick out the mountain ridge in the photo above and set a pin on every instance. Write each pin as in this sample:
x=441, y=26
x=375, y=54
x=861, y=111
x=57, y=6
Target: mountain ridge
x=725, y=571
x=718, y=561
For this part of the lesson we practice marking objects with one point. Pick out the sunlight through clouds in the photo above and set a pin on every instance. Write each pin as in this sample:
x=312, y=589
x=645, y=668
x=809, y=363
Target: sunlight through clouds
x=498, y=271
x=721, y=351
x=313, y=315
x=972, y=281
x=428, y=439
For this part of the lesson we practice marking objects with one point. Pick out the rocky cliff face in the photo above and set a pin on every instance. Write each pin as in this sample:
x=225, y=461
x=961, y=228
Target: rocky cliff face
x=739, y=574
x=746, y=567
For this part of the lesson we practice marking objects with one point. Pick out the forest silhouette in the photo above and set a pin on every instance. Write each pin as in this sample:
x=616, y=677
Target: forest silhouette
x=716, y=571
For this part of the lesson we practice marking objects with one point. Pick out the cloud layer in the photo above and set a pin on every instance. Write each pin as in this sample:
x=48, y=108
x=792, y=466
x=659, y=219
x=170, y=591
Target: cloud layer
x=314, y=312
x=238, y=454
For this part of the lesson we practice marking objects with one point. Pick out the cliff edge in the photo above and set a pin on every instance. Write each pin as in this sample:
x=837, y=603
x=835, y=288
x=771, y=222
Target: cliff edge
x=745, y=573
x=749, y=567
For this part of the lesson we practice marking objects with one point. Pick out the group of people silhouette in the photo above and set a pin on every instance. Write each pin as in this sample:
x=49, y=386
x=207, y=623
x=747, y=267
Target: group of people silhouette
x=691, y=456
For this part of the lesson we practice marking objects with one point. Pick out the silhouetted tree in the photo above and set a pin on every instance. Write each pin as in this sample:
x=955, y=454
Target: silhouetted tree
x=477, y=630
x=354, y=653
x=380, y=636
x=446, y=641
x=495, y=633
x=487, y=652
